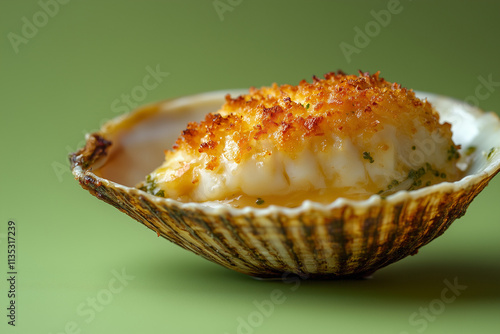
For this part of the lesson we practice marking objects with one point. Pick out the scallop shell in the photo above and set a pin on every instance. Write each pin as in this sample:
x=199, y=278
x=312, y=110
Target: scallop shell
x=347, y=238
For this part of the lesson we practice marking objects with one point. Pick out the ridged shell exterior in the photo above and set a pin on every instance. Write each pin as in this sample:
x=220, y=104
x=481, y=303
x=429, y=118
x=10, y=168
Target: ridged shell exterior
x=344, y=239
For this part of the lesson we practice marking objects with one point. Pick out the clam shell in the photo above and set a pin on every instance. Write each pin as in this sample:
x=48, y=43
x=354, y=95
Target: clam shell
x=346, y=238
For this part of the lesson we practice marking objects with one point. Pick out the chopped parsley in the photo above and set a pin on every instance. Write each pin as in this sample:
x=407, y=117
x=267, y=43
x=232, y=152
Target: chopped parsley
x=394, y=183
x=490, y=153
x=151, y=187
x=307, y=106
x=416, y=178
x=417, y=174
x=453, y=153
x=432, y=170
x=367, y=156
x=259, y=201
x=470, y=150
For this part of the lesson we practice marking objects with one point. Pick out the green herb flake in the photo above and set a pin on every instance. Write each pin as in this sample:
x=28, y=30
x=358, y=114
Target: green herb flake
x=151, y=187
x=420, y=172
x=490, y=153
x=470, y=150
x=259, y=201
x=419, y=176
x=413, y=147
x=367, y=156
x=307, y=106
x=453, y=153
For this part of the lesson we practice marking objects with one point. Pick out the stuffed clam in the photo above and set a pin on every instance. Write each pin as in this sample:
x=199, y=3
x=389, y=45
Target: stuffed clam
x=334, y=178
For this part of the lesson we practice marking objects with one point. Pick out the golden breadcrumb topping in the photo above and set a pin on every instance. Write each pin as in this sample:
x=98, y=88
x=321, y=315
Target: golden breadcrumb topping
x=337, y=121
x=289, y=116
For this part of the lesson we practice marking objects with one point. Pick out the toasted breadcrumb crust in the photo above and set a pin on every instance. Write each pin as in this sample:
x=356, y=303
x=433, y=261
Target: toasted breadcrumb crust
x=346, y=136
x=288, y=116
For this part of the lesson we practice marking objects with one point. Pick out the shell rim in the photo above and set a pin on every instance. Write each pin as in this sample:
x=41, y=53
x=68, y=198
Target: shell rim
x=489, y=171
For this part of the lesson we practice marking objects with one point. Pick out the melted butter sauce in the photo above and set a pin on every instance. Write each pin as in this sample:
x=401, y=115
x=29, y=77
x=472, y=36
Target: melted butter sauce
x=323, y=196
x=326, y=196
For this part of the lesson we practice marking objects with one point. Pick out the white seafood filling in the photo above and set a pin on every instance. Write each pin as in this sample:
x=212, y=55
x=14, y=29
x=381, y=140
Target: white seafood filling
x=343, y=167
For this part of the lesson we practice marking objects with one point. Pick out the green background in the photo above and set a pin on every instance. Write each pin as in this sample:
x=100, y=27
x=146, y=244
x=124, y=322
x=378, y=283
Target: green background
x=61, y=83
